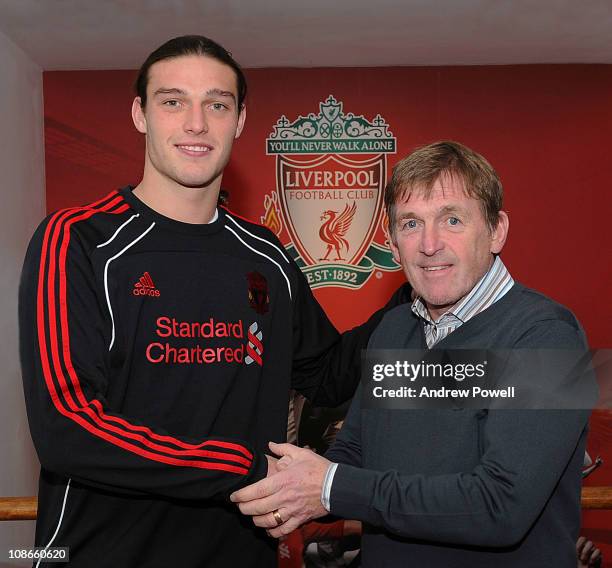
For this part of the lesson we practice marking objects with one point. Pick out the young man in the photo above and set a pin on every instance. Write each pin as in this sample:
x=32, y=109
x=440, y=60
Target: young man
x=440, y=487
x=160, y=336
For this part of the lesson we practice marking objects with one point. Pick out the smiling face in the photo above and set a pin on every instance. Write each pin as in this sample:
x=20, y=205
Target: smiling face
x=190, y=121
x=444, y=243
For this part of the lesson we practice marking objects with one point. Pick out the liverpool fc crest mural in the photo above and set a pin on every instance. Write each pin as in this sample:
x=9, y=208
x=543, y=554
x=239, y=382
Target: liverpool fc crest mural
x=327, y=209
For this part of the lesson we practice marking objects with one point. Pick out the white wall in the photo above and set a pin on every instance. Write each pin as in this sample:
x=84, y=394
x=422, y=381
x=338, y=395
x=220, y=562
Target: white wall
x=22, y=206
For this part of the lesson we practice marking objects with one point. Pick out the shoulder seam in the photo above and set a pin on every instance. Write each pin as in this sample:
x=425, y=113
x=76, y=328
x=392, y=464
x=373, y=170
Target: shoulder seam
x=273, y=245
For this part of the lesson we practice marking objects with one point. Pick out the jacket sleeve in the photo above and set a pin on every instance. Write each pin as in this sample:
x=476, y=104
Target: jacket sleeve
x=525, y=453
x=327, y=365
x=66, y=372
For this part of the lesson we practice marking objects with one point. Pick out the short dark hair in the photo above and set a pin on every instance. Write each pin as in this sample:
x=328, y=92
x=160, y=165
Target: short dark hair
x=419, y=171
x=189, y=45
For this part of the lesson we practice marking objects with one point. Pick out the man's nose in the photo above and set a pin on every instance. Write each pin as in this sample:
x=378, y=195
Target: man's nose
x=431, y=240
x=195, y=120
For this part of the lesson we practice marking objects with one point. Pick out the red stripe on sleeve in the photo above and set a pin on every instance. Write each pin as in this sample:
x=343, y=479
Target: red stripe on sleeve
x=86, y=406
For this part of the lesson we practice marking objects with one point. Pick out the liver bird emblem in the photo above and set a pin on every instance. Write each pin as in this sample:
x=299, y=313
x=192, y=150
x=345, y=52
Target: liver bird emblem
x=335, y=227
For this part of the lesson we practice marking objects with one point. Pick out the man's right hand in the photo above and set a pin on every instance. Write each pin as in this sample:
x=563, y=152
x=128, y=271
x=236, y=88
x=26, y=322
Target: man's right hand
x=275, y=465
x=294, y=493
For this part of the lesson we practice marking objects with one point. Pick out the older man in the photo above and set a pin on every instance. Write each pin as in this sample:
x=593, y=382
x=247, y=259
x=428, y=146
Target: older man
x=455, y=487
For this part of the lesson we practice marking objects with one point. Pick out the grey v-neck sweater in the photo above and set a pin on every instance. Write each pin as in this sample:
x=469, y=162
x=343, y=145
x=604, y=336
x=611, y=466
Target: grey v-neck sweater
x=467, y=488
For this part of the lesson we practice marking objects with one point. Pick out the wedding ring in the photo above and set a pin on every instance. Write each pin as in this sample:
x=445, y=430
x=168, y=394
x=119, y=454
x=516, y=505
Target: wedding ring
x=279, y=519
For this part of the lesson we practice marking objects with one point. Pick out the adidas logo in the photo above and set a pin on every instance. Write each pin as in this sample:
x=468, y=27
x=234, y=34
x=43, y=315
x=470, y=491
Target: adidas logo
x=145, y=286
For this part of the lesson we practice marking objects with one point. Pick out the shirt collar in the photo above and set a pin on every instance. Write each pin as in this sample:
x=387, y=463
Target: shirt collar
x=490, y=288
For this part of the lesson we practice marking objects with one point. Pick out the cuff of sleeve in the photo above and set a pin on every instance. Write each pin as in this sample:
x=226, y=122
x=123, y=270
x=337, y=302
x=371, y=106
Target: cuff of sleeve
x=327, y=484
x=258, y=470
x=352, y=491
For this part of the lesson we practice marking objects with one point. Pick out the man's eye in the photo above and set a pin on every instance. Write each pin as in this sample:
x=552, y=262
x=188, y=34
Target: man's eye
x=410, y=224
x=171, y=103
x=453, y=221
x=219, y=106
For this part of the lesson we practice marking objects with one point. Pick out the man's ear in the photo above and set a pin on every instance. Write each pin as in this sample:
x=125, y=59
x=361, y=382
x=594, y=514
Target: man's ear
x=138, y=116
x=241, y=120
x=500, y=233
x=393, y=247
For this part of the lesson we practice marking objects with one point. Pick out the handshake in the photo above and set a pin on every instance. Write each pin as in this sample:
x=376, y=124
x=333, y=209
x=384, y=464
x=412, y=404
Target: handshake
x=290, y=494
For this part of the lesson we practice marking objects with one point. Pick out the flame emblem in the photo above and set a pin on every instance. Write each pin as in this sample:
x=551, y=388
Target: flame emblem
x=271, y=217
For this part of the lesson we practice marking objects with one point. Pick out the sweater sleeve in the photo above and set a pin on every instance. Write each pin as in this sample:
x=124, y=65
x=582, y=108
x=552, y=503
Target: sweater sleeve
x=525, y=454
x=66, y=373
x=327, y=365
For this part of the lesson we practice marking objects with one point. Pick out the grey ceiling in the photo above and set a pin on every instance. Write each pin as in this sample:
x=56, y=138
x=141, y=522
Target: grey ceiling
x=117, y=34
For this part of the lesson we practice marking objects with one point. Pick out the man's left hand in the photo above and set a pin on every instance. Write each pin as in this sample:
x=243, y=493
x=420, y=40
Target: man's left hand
x=294, y=493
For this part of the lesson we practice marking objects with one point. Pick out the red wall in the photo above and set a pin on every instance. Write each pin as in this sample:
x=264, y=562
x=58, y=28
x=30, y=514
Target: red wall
x=546, y=129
